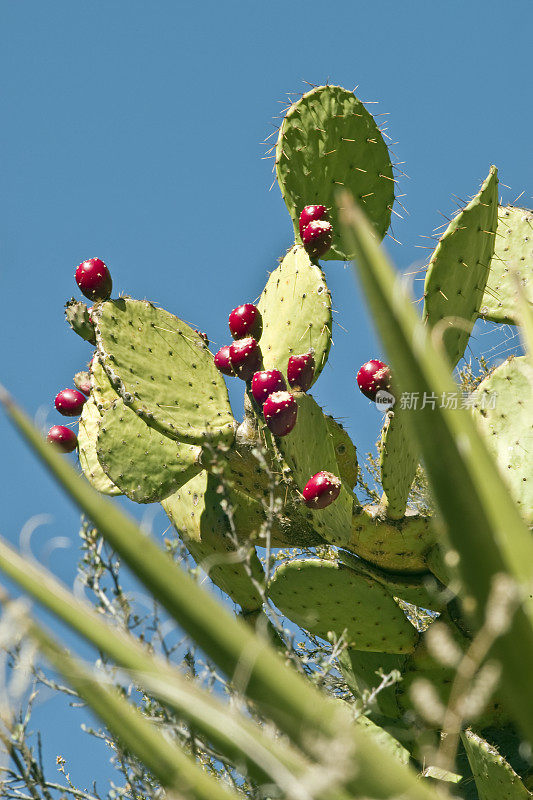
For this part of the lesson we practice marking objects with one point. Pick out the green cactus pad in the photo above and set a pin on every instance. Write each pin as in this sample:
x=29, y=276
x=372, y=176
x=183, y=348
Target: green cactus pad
x=359, y=670
x=163, y=370
x=101, y=390
x=383, y=738
x=513, y=253
x=87, y=435
x=396, y=545
x=398, y=463
x=296, y=310
x=196, y=513
x=329, y=141
x=503, y=404
x=77, y=315
x=144, y=463
x=459, y=268
x=309, y=449
x=345, y=453
x=495, y=778
x=420, y=590
x=323, y=596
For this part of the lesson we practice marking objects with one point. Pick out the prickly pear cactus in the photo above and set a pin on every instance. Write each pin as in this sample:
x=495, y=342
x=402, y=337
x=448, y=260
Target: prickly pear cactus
x=158, y=427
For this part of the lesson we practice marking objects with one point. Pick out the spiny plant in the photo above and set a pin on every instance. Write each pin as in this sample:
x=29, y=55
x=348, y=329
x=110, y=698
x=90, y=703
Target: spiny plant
x=157, y=427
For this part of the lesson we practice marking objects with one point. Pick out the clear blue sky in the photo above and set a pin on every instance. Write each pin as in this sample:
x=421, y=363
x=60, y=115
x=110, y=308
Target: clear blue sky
x=132, y=131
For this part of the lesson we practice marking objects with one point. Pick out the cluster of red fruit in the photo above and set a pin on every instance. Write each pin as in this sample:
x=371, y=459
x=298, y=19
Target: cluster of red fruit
x=94, y=280
x=316, y=231
x=268, y=387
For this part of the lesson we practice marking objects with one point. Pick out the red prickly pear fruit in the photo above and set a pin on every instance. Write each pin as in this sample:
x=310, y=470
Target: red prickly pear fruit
x=321, y=490
x=203, y=336
x=63, y=437
x=265, y=383
x=280, y=411
x=223, y=363
x=317, y=237
x=311, y=214
x=70, y=402
x=246, y=320
x=373, y=377
x=93, y=279
x=301, y=371
x=245, y=356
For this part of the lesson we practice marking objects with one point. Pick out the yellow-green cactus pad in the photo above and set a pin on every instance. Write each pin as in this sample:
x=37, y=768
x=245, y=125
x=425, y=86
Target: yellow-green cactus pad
x=147, y=465
x=163, y=370
x=398, y=545
x=201, y=522
x=296, y=310
x=503, y=408
x=495, y=778
x=323, y=596
x=345, y=452
x=459, y=268
x=101, y=390
x=420, y=590
x=309, y=449
x=398, y=463
x=329, y=141
x=87, y=435
x=513, y=253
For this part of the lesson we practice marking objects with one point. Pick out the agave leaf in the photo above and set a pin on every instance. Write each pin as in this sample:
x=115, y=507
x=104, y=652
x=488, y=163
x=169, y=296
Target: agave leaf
x=176, y=770
x=482, y=522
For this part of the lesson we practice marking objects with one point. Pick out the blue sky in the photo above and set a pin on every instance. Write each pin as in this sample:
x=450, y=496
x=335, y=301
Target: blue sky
x=132, y=131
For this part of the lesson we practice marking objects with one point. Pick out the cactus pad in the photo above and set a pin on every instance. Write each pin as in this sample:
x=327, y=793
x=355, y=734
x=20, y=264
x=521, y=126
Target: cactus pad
x=495, y=778
x=323, y=596
x=296, y=309
x=503, y=403
x=163, y=370
x=308, y=449
x=398, y=545
x=359, y=670
x=144, y=463
x=345, y=453
x=398, y=463
x=459, y=268
x=101, y=390
x=77, y=315
x=87, y=435
x=328, y=141
x=513, y=252
x=196, y=512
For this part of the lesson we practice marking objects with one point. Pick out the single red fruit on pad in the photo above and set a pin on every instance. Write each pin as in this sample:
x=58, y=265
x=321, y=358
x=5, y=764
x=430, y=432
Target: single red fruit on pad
x=245, y=356
x=244, y=321
x=223, y=363
x=280, y=411
x=374, y=376
x=93, y=279
x=321, y=490
x=317, y=238
x=70, y=402
x=301, y=371
x=63, y=437
x=82, y=381
x=265, y=383
x=311, y=214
